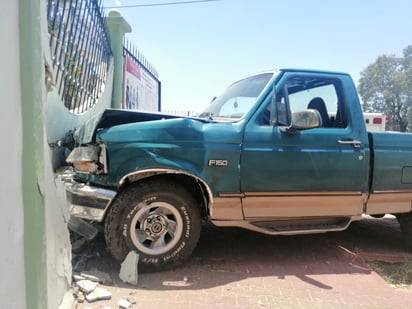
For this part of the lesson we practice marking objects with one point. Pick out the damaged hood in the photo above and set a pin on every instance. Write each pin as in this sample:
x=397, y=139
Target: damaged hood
x=114, y=117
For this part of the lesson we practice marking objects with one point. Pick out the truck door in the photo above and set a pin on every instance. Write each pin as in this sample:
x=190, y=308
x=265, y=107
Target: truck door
x=316, y=172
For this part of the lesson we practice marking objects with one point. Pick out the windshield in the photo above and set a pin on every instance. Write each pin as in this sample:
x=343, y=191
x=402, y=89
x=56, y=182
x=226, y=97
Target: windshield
x=237, y=99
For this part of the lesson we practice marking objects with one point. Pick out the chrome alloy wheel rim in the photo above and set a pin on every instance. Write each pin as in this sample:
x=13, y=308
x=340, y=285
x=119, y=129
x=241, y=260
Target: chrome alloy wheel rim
x=156, y=228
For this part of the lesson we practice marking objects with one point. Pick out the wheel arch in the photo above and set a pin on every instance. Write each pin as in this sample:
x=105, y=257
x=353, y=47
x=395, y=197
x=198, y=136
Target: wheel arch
x=195, y=184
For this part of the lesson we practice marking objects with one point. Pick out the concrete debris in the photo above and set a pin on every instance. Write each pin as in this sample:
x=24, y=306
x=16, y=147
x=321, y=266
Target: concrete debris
x=98, y=294
x=80, y=298
x=77, y=277
x=78, y=295
x=96, y=276
x=128, y=269
x=87, y=286
x=124, y=304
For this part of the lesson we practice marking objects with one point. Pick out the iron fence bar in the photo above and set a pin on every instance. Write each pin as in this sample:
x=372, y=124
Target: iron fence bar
x=100, y=71
x=95, y=70
x=89, y=37
x=85, y=78
x=51, y=6
x=82, y=45
x=68, y=59
x=80, y=48
x=60, y=50
x=53, y=35
x=88, y=18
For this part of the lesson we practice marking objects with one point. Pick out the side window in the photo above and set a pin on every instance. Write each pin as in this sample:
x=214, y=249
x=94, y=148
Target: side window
x=321, y=94
x=309, y=92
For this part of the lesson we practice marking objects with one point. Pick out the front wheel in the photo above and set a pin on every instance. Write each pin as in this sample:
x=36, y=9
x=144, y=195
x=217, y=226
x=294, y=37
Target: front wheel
x=405, y=222
x=160, y=220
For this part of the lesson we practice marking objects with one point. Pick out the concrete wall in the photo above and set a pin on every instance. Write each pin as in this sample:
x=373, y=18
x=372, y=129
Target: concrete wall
x=36, y=252
x=57, y=120
x=12, y=285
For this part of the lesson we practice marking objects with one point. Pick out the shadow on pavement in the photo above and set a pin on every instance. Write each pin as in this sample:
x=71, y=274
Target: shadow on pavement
x=229, y=255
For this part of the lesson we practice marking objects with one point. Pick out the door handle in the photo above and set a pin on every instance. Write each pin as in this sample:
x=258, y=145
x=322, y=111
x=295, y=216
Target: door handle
x=355, y=144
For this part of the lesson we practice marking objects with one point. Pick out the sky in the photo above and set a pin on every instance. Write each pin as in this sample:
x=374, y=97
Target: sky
x=199, y=49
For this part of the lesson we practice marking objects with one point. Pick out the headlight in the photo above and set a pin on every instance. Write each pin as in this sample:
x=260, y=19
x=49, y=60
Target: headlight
x=87, y=159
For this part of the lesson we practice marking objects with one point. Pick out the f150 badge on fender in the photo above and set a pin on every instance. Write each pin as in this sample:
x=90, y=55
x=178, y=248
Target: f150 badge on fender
x=218, y=163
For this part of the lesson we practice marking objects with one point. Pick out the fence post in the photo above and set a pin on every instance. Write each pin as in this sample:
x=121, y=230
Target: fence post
x=117, y=26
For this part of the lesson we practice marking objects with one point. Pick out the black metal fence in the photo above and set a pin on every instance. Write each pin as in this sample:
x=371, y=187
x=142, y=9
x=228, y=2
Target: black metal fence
x=80, y=50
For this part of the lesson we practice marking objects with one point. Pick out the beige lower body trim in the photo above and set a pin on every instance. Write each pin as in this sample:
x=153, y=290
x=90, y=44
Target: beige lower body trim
x=228, y=208
x=303, y=204
x=385, y=202
x=287, y=205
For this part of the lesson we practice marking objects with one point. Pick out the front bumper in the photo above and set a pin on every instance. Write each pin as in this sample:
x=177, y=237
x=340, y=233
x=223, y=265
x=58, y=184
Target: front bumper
x=87, y=202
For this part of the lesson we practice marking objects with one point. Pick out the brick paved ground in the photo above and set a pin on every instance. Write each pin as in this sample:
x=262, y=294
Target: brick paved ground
x=234, y=268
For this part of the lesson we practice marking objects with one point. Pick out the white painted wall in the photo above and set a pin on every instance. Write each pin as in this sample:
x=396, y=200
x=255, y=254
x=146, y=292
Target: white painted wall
x=12, y=284
x=58, y=247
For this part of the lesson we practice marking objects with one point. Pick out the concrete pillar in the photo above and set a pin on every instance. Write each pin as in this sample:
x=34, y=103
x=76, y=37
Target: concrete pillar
x=12, y=270
x=32, y=96
x=118, y=27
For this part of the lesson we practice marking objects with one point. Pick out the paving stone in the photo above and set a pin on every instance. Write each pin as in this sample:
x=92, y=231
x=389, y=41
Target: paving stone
x=312, y=271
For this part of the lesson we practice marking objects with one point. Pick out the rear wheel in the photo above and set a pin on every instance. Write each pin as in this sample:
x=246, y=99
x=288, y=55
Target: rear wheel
x=405, y=222
x=160, y=220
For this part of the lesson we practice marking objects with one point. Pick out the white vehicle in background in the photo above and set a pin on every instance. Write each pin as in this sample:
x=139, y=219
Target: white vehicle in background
x=375, y=122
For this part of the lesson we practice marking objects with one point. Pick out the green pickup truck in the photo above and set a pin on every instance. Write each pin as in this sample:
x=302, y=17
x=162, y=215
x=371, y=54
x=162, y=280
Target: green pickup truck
x=281, y=153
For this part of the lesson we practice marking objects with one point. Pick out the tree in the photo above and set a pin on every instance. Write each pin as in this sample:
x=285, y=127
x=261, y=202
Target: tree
x=386, y=86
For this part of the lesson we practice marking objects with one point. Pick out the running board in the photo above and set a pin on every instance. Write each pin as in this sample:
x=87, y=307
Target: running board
x=290, y=227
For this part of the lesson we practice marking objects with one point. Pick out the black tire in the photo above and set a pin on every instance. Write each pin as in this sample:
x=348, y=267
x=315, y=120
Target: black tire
x=405, y=222
x=158, y=219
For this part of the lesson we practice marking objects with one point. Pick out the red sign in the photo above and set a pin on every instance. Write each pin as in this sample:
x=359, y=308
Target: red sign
x=132, y=67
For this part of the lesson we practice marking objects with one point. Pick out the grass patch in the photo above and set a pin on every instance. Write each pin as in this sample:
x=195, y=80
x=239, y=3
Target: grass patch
x=396, y=274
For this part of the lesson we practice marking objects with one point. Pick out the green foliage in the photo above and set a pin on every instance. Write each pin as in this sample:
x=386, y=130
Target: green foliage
x=386, y=86
x=397, y=274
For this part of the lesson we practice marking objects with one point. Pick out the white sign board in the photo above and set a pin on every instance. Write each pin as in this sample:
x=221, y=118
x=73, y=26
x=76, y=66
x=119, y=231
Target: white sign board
x=141, y=90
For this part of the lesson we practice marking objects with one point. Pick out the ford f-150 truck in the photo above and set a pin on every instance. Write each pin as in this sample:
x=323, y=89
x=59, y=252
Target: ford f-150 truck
x=281, y=153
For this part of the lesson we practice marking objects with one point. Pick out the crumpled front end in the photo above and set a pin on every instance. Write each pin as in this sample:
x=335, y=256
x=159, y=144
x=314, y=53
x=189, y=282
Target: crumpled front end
x=86, y=198
x=88, y=202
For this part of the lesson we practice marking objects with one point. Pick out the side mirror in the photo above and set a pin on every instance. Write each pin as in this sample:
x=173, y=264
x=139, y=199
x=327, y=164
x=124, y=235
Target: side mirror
x=306, y=119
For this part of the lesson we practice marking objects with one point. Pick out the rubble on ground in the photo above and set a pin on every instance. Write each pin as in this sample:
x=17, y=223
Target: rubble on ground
x=128, y=271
